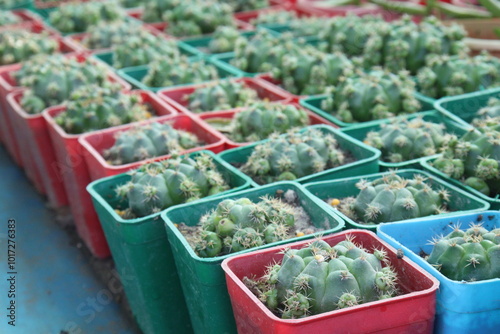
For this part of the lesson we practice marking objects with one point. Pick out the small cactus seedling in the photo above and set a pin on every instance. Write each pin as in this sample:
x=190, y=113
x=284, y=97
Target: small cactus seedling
x=492, y=111
x=52, y=79
x=7, y=17
x=245, y=5
x=293, y=156
x=149, y=141
x=403, y=139
x=467, y=255
x=224, y=39
x=221, y=95
x=274, y=17
x=20, y=45
x=92, y=107
x=154, y=9
x=320, y=278
x=159, y=185
x=178, y=71
x=374, y=95
x=109, y=34
x=78, y=17
x=392, y=198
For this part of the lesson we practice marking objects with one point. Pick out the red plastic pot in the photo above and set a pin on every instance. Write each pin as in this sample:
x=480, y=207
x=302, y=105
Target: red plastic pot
x=177, y=96
x=411, y=312
x=8, y=84
x=229, y=114
x=95, y=143
x=26, y=16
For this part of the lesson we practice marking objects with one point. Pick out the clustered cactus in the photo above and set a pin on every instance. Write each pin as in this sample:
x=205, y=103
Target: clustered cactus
x=293, y=156
x=93, y=107
x=224, y=39
x=220, y=95
x=374, y=95
x=109, y=34
x=490, y=111
x=154, y=9
x=321, y=278
x=404, y=139
x=470, y=255
x=259, y=120
x=149, y=141
x=474, y=158
x=52, y=79
x=274, y=17
x=245, y=5
x=236, y=225
x=19, y=45
x=454, y=75
x=392, y=198
x=177, y=71
x=78, y=17
x=8, y=17
x=156, y=186
x=141, y=49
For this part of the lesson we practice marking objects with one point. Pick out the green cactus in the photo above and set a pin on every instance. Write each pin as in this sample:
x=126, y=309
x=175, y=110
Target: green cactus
x=154, y=9
x=92, y=107
x=467, y=255
x=78, y=17
x=20, y=45
x=454, y=75
x=408, y=45
x=392, y=198
x=492, y=110
x=7, y=17
x=236, y=225
x=221, y=95
x=246, y=5
x=143, y=49
x=178, y=71
x=374, y=95
x=52, y=79
x=274, y=17
x=224, y=39
x=149, y=141
x=159, y=185
x=320, y=278
x=197, y=17
x=131, y=3
x=358, y=37
x=109, y=34
x=259, y=120
x=403, y=139
x=293, y=156
x=474, y=158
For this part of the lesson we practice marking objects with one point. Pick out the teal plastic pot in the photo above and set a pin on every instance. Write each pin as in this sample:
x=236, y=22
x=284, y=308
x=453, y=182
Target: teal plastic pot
x=313, y=103
x=461, y=307
x=202, y=279
x=360, y=132
x=427, y=166
x=19, y=5
x=460, y=201
x=464, y=108
x=366, y=157
x=143, y=257
x=134, y=76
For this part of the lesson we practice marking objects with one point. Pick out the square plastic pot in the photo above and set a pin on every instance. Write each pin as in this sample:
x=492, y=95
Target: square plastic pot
x=410, y=312
x=70, y=161
x=313, y=103
x=35, y=147
x=460, y=201
x=462, y=307
x=143, y=256
x=96, y=143
x=464, y=108
x=230, y=114
x=202, y=279
x=134, y=76
x=366, y=157
x=177, y=97
x=8, y=84
x=450, y=127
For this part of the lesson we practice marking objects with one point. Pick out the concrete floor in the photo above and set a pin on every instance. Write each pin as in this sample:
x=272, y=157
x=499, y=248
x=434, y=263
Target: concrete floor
x=56, y=290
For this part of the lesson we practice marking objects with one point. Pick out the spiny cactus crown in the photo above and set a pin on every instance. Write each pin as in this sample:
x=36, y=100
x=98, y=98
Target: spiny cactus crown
x=20, y=45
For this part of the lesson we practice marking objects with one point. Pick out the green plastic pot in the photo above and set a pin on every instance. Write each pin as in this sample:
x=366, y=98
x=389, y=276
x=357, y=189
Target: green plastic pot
x=202, y=279
x=464, y=108
x=366, y=157
x=360, y=131
x=143, y=257
x=20, y=5
x=313, y=103
x=460, y=200
x=427, y=166
x=134, y=76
